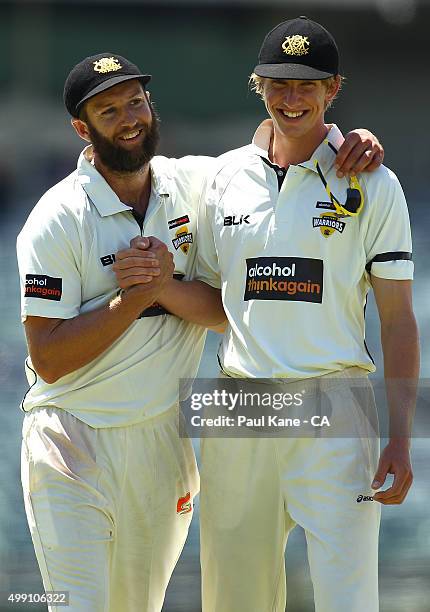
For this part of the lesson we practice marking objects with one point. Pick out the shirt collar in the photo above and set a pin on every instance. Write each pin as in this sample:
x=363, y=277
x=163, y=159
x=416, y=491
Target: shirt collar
x=324, y=153
x=262, y=138
x=99, y=191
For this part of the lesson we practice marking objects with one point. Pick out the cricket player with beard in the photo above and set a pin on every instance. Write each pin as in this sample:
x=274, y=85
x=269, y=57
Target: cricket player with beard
x=295, y=249
x=108, y=483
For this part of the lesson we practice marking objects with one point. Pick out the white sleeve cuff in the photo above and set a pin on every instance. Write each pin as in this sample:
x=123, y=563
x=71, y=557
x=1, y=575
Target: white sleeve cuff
x=399, y=269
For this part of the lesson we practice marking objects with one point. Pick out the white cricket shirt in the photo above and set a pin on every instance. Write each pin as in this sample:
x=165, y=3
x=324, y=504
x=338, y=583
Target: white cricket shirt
x=65, y=255
x=294, y=276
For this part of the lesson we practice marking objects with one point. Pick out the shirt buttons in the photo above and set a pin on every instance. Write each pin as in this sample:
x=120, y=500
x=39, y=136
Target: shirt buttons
x=280, y=173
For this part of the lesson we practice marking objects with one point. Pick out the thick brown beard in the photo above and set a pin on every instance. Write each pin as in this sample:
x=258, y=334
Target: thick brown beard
x=119, y=159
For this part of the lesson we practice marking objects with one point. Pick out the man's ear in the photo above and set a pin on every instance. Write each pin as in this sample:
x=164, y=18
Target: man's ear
x=333, y=88
x=81, y=129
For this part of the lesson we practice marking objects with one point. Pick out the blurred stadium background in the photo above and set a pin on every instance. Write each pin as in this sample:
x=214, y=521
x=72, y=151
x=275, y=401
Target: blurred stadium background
x=201, y=53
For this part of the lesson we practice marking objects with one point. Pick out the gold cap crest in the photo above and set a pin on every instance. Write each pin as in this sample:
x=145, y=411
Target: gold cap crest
x=296, y=45
x=106, y=64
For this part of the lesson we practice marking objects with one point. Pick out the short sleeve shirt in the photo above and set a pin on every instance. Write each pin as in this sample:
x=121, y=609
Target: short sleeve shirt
x=294, y=274
x=65, y=254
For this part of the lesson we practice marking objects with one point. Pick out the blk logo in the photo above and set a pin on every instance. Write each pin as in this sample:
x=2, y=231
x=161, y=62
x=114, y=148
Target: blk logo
x=236, y=220
x=108, y=260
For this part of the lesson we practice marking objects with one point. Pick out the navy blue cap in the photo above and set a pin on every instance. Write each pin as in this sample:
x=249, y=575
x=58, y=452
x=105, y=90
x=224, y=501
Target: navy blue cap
x=298, y=49
x=96, y=74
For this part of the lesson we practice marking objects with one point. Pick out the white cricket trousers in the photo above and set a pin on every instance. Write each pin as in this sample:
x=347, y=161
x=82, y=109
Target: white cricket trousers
x=255, y=490
x=108, y=509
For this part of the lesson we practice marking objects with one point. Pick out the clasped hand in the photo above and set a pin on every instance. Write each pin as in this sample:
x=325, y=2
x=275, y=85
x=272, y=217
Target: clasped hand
x=146, y=266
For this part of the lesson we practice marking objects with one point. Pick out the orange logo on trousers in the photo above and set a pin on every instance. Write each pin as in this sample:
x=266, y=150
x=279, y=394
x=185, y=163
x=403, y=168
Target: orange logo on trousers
x=184, y=504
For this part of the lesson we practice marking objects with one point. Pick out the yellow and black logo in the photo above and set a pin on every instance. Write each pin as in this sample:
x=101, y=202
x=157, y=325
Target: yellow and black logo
x=183, y=239
x=328, y=224
x=296, y=45
x=107, y=64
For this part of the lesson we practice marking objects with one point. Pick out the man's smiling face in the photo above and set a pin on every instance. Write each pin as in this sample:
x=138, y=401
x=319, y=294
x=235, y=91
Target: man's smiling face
x=297, y=107
x=122, y=126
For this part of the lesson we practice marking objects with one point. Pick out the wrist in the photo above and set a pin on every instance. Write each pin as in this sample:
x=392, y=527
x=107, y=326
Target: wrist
x=133, y=300
x=403, y=442
x=165, y=291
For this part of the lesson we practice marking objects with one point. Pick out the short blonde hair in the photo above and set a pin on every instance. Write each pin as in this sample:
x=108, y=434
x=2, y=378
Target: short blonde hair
x=256, y=83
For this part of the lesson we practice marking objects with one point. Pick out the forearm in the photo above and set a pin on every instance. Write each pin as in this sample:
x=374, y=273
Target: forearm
x=74, y=343
x=400, y=344
x=193, y=301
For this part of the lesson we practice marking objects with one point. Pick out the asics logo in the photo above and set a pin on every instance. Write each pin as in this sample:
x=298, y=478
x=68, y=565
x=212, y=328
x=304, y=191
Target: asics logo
x=364, y=498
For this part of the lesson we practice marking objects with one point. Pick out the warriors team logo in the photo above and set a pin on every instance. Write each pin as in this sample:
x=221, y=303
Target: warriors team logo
x=183, y=239
x=328, y=224
x=106, y=64
x=296, y=45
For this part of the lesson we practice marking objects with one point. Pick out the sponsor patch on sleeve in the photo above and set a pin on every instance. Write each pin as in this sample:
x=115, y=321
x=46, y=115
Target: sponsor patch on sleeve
x=296, y=279
x=43, y=287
